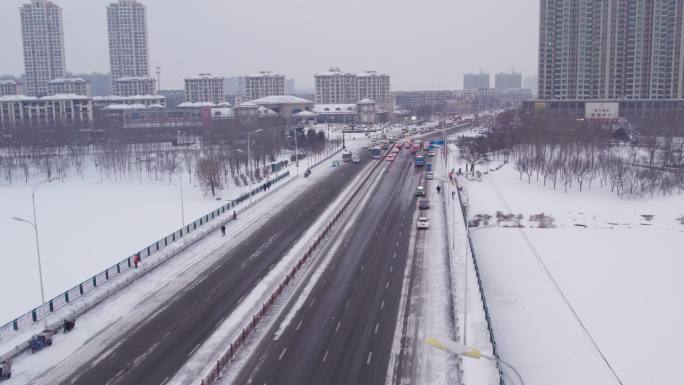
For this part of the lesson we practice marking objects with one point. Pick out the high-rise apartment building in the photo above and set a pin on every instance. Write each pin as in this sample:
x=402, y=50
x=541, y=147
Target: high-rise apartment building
x=43, y=41
x=611, y=49
x=476, y=81
x=204, y=88
x=128, y=48
x=336, y=87
x=264, y=83
x=375, y=86
x=507, y=81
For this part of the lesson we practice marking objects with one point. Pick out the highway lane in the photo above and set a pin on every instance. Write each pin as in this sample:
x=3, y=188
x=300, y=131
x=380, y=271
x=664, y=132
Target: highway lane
x=343, y=334
x=155, y=350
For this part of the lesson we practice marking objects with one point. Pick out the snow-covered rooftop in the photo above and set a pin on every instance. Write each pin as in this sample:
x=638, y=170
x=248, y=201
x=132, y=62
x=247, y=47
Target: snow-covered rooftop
x=17, y=98
x=334, y=108
x=205, y=77
x=7, y=81
x=125, y=107
x=67, y=80
x=371, y=73
x=248, y=105
x=366, y=101
x=282, y=99
x=112, y=98
x=65, y=97
x=222, y=112
x=156, y=105
x=262, y=74
x=196, y=105
x=224, y=104
x=133, y=78
x=305, y=114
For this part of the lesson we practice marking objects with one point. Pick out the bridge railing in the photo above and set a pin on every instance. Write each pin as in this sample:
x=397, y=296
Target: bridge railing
x=128, y=263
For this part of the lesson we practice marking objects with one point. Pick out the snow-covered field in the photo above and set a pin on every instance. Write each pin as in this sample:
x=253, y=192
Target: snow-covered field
x=89, y=224
x=617, y=261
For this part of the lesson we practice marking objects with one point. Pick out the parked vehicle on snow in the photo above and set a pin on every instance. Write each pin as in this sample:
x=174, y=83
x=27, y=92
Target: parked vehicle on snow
x=5, y=370
x=420, y=191
x=41, y=340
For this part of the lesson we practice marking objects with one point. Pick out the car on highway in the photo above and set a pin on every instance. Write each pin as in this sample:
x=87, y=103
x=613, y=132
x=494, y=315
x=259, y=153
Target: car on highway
x=390, y=157
x=431, y=153
x=423, y=204
x=420, y=191
x=423, y=223
x=356, y=159
x=429, y=175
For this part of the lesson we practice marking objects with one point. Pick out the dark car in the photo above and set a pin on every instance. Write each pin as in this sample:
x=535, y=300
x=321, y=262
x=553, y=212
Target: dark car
x=423, y=204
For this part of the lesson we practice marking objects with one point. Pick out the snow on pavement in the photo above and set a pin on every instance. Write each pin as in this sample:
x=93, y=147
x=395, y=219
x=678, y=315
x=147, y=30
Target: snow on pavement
x=104, y=324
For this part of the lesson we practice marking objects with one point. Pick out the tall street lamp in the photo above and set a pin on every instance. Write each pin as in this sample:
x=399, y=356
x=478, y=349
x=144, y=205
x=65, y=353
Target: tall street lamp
x=34, y=224
x=249, y=169
x=467, y=351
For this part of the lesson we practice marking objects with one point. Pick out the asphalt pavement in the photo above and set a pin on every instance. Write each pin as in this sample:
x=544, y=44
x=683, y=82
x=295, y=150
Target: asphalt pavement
x=344, y=332
x=155, y=350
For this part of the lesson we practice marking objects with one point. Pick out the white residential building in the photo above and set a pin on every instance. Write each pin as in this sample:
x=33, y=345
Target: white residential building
x=338, y=87
x=263, y=84
x=128, y=47
x=204, y=88
x=100, y=102
x=134, y=85
x=8, y=87
x=43, y=41
x=17, y=111
x=74, y=86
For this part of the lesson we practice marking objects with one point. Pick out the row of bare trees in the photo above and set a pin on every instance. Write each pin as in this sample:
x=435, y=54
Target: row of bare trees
x=215, y=164
x=564, y=153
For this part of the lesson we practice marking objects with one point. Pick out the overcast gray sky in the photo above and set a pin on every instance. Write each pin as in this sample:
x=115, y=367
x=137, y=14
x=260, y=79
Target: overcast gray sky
x=426, y=44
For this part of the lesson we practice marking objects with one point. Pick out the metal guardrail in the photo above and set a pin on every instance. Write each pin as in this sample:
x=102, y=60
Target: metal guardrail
x=126, y=264
x=490, y=329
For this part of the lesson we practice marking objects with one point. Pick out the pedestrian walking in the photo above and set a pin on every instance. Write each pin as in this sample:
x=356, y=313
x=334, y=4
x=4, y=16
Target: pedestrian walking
x=453, y=194
x=136, y=260
x=223, y=230
x=439, y=189
x=234, y=215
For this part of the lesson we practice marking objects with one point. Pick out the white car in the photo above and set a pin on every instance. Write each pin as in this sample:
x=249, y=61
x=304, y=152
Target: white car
x=429, y=175
x=423, y=223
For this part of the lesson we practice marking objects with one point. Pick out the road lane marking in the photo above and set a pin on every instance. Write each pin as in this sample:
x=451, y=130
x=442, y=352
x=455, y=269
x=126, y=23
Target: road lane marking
x=193, y=351
x=338, y=326
x=391, y=268
x=282, y=354
x=363, y=266
x=394, y=256
x=400, y=233
x=299, y=325
x=376, y=327
x=326, y=355
x=382, y=305
x=165, y=380
x=370, y=354
x=313, y=301
x=241, y=299
x=397, y=245
x=346, y=304
x=387, y=286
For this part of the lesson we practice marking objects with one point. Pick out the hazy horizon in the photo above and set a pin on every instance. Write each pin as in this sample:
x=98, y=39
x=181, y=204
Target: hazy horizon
x=426, y=46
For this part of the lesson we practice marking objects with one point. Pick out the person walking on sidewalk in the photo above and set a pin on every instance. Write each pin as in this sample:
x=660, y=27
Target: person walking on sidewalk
x=223, y=230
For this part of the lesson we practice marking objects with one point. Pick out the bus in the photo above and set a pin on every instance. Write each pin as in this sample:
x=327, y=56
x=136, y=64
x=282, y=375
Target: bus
x=347, y=156
x=415, y=147
x=420, y=159
x=376, y=152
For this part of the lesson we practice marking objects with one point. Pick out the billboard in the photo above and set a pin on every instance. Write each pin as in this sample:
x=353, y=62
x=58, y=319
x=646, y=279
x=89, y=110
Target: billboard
x=599, y=110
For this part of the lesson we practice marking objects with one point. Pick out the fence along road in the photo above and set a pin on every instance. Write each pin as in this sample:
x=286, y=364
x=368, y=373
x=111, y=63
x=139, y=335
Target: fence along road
x=157, y=348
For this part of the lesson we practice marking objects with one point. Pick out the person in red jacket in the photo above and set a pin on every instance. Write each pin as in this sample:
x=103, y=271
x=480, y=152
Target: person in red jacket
x=136, y=260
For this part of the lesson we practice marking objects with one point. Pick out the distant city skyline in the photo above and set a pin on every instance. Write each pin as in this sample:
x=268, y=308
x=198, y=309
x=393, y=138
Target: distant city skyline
x=428, y=47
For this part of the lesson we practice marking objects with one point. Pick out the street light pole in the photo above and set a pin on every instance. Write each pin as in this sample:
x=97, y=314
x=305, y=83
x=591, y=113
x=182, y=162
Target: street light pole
x=180, y=183
x=34, y=224
x=467, y=351
x=249, y=169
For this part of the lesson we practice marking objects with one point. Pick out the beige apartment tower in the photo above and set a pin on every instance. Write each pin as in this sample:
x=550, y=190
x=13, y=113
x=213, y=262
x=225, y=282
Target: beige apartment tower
x=43, y=40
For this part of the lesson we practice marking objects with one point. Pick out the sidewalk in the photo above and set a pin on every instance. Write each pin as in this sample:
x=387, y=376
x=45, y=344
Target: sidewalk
x=472, y=325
